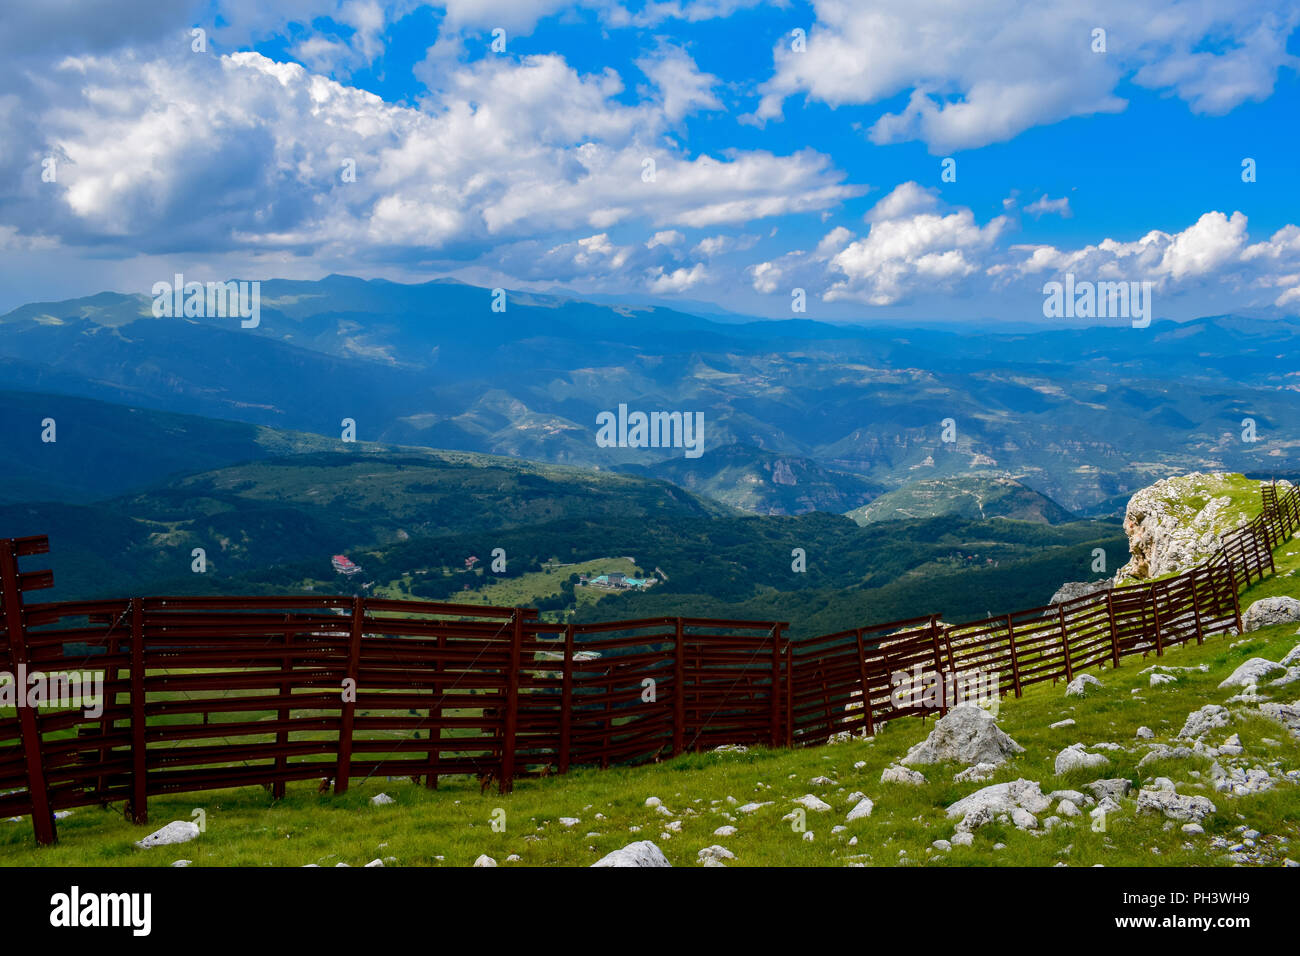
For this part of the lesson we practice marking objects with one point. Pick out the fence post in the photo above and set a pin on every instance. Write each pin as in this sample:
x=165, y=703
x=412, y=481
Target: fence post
x=1065, y=641
x=1155, y=613
x=348, y=715
x=1114, y=632
x=679, y=688
x=776, y=686
x=1236, y=607
x=1015, y=662
x=139, y=765
x=29, y=723
x=286, y=691
x=435, y=718
x=1196, y=605
x=566, y=700
x=938, y=666
x=866, y=685
x=789, y=694
x=511, y=729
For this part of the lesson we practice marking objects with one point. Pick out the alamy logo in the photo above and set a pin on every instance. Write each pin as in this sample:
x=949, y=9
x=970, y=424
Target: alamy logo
x=932, y=690
x=63, y=690
x=213, y=300
x=74, y=908
x=1098, y=300
x=652, y=430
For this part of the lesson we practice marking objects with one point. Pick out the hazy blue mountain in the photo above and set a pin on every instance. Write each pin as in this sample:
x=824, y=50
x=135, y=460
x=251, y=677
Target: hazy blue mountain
x=1083, y=416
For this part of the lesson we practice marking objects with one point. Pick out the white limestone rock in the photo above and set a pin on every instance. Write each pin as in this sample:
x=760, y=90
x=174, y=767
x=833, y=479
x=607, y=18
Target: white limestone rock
x=968, y=735
x=178, y=831
x=1252, y=671
x=641, y=853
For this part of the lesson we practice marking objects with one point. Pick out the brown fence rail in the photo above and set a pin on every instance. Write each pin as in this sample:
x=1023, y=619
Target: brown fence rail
x=217, y=692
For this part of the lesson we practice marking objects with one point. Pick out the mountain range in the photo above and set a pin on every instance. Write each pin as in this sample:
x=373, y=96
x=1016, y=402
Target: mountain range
x=799, y=415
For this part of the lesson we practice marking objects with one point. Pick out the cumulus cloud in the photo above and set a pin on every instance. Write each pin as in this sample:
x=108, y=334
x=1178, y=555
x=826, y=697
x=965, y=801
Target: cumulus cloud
x=680, y=87
x=238, y=151
x=983, y=72
x=910, y=245
x=1214, y=250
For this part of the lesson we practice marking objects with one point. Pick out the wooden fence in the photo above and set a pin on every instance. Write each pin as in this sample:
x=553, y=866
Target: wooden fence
x=207, y=693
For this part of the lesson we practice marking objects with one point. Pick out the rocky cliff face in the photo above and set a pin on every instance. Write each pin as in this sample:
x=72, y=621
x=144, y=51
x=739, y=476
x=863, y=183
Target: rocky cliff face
x=1178, y=522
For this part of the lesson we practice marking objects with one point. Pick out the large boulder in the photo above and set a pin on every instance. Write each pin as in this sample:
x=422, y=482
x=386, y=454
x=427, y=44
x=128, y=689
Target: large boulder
x=1073, y=590
x=1251, y=672
x=967, y=735
x=1178, y=522
x=641, y=853
x=1174, y=805
x=1002, y=798
x=1270, y=610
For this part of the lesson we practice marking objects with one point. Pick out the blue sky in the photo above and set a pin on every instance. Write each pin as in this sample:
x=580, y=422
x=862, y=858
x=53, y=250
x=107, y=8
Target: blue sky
x=775, y=168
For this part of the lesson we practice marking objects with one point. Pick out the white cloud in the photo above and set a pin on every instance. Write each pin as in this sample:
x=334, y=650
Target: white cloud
x=1213, y=252
x=679, y=280
x=982, y=72
x=228, y=152
x=681, y=88
x=910, y=247
x=1043, y=206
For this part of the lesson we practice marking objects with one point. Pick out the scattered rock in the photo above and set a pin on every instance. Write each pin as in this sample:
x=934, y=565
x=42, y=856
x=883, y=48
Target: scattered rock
x=1113, y=788
x=178, y=831
x=862, y=809
x=1165, y=752
x=981, y=771
x=381, y=800
x=1238, y=782
x=485, y=860
x=1075, y=757
x=1286, y=714
x=641, y=853
x=810, y=802
x=1201, y=722
x=1175, y=806
x=1251, y=672
x=1158, y=679
x=1144, y=733
x=1079, y=686
x=1023, y=819
x=1270, y=610
x=897, y=774
x=715, y=853
x=725, y=831
x=1068, y=722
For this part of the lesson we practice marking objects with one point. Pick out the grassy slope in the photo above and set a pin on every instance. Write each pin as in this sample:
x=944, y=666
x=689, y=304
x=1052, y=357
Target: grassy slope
x=452, y=826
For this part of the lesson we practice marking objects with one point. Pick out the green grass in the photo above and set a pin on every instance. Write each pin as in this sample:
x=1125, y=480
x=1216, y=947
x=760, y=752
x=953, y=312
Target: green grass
x=526, y=589
x=453, y=825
